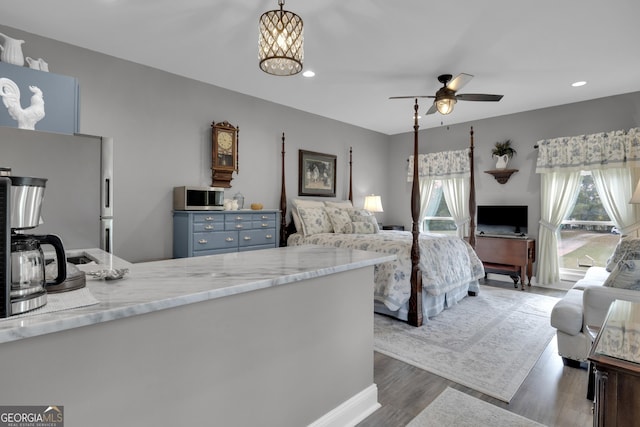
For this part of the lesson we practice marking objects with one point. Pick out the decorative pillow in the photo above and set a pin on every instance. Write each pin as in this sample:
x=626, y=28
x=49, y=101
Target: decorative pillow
x=626, y=244
x=362, y=215
x=625, y=275
x=360, y=227
x=343, y=204
x=339, y=219
x=298, y=203
x=314, y=221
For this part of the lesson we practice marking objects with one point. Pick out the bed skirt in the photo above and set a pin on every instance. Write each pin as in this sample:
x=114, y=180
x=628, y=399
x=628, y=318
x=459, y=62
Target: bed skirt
x=431, y=305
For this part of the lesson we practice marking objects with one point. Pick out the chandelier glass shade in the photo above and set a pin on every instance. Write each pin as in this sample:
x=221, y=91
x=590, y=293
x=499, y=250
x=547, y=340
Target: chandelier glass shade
x=280, y=42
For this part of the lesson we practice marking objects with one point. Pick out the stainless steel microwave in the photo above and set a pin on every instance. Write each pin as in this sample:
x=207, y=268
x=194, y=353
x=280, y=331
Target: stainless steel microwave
x=198, y=198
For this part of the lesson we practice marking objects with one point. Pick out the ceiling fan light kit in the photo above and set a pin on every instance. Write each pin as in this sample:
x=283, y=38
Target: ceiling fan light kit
x=280, y=42
x=446, y=97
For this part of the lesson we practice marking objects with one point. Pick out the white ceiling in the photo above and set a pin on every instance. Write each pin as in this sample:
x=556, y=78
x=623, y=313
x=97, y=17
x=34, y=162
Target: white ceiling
x=364, y=51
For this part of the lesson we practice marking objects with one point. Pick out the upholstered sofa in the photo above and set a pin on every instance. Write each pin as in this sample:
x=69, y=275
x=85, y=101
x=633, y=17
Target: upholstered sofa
x=588, y=301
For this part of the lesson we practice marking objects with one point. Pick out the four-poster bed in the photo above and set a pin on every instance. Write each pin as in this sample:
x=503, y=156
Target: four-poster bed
x=441, y=269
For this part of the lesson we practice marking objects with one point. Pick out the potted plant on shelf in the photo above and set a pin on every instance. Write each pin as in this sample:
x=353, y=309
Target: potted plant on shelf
x=503, y=151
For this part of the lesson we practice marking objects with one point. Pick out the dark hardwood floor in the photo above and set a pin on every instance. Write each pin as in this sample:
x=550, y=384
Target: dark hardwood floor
x=552, y=394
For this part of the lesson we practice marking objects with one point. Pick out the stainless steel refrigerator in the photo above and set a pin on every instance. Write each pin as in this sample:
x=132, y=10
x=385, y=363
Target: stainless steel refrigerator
x=78, y=198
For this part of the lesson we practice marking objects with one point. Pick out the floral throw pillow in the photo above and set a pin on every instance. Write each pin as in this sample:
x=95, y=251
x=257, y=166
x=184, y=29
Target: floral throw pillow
x=626, y=244
x=340, y=219
x=314, y=221
x=360, y=227
x=625, y=275
x=362, y=215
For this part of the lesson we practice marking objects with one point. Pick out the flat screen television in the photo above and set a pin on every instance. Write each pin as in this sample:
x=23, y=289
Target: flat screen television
x=502, y=220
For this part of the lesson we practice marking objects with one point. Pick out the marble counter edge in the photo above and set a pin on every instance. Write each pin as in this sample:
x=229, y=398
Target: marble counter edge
x=36, y=325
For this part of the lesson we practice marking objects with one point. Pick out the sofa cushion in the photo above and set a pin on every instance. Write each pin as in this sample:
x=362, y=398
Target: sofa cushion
x=594, y=276
x=567, y=313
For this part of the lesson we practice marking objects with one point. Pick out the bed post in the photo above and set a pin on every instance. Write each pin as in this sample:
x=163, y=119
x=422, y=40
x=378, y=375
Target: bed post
x=351, y=174
x=415, y=300
x=283, y=204
x=472, y=196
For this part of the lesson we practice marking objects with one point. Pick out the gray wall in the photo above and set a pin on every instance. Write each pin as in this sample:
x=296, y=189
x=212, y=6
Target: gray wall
x=161, y=126
x=524, y=130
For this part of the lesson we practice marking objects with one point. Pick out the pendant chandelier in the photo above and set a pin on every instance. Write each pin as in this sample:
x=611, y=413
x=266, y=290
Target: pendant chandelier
x=280, y=42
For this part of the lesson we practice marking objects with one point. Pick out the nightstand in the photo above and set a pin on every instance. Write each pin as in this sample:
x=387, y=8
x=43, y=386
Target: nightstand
x=393, y=227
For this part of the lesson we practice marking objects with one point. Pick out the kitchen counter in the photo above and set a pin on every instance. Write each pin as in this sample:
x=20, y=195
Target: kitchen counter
x=276, y=337
x=159, y=285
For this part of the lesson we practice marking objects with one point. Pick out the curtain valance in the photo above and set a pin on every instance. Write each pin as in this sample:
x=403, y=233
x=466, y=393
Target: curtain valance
x=442, y=165
x=617, y=149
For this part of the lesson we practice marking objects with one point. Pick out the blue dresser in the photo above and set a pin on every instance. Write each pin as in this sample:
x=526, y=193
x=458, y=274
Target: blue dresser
x=197, y=233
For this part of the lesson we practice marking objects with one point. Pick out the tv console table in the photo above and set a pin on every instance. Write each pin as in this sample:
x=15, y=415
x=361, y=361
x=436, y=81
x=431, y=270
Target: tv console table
x=506, y=255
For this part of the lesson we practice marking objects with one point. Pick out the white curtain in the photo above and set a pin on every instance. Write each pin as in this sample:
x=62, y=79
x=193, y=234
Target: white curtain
x=426, y=190
x=456, y=194
x=611, y=157
x=614, y=187
x=453, y=169
x=558, y=194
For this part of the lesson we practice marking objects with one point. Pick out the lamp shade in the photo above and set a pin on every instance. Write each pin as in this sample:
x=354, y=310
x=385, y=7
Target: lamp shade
x=280, y=42
x=636, y=195
x=373, y=203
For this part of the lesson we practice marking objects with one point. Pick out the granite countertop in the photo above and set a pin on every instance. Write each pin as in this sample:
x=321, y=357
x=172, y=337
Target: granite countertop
x=158, y=285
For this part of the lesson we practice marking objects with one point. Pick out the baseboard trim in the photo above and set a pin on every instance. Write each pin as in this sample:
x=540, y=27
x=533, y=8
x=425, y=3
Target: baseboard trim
x=352, y=411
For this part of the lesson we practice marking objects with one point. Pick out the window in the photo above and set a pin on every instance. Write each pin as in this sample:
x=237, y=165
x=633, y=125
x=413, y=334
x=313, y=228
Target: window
x=438, y=219
x=587, y=235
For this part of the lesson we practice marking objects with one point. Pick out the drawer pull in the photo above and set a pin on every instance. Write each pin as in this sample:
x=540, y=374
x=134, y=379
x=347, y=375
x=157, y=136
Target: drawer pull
x=208, y=227
x=247, y=238
x=203, y=241
x=239, y=226
x=229, y=239
x=264, y=217
x=209, y=218
x=268, y=236
x=238, y=218
x=264, y=225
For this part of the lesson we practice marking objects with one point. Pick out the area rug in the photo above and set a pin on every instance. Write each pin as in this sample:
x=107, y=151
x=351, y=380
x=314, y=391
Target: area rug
x=455, y=408
x=488, y=343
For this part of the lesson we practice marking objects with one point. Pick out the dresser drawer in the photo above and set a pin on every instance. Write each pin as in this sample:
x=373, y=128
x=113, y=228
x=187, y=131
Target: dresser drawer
x=264, y=217
x=202, y=227
x=257, y=237
x=257, y=225
x=207, y=217
x=215, y=240
x=237, y=221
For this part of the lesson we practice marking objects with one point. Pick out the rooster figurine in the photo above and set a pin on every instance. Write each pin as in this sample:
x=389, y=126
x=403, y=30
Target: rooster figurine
x=26, y=117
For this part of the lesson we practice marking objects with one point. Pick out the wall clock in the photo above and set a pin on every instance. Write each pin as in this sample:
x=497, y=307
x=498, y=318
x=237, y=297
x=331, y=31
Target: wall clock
x=224, y=153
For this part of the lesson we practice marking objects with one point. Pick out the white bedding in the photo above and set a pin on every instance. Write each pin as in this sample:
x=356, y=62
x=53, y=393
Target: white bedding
x=446, y=262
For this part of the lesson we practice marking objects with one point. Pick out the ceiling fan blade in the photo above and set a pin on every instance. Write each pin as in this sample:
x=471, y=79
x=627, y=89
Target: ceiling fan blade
x=412, y=96
x=431, y=110
x=478, y=97
x=459, y=81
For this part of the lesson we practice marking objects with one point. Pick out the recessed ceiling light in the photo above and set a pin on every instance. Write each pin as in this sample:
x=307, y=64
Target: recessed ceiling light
x=308, y=73
x=578, y=84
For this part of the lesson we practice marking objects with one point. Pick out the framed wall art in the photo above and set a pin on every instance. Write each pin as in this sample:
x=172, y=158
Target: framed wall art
x=316, y=174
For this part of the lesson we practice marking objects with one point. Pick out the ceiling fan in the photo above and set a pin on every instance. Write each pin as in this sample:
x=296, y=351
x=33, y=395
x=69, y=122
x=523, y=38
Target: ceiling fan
x=445, y=97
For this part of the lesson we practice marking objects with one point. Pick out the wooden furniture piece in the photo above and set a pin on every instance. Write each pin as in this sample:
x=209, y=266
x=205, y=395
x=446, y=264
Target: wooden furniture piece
x=224, y=153
x=393, y=227
x=504, y=255
x=501, y=175
x=415, y=317
x=616, y=361
x=197, y=233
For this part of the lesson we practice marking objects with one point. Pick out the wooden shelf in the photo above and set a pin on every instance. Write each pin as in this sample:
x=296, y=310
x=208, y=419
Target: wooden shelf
x=502, y=175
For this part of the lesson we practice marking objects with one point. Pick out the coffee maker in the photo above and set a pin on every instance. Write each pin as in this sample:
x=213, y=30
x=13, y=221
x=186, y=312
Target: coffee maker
x=22, y=263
